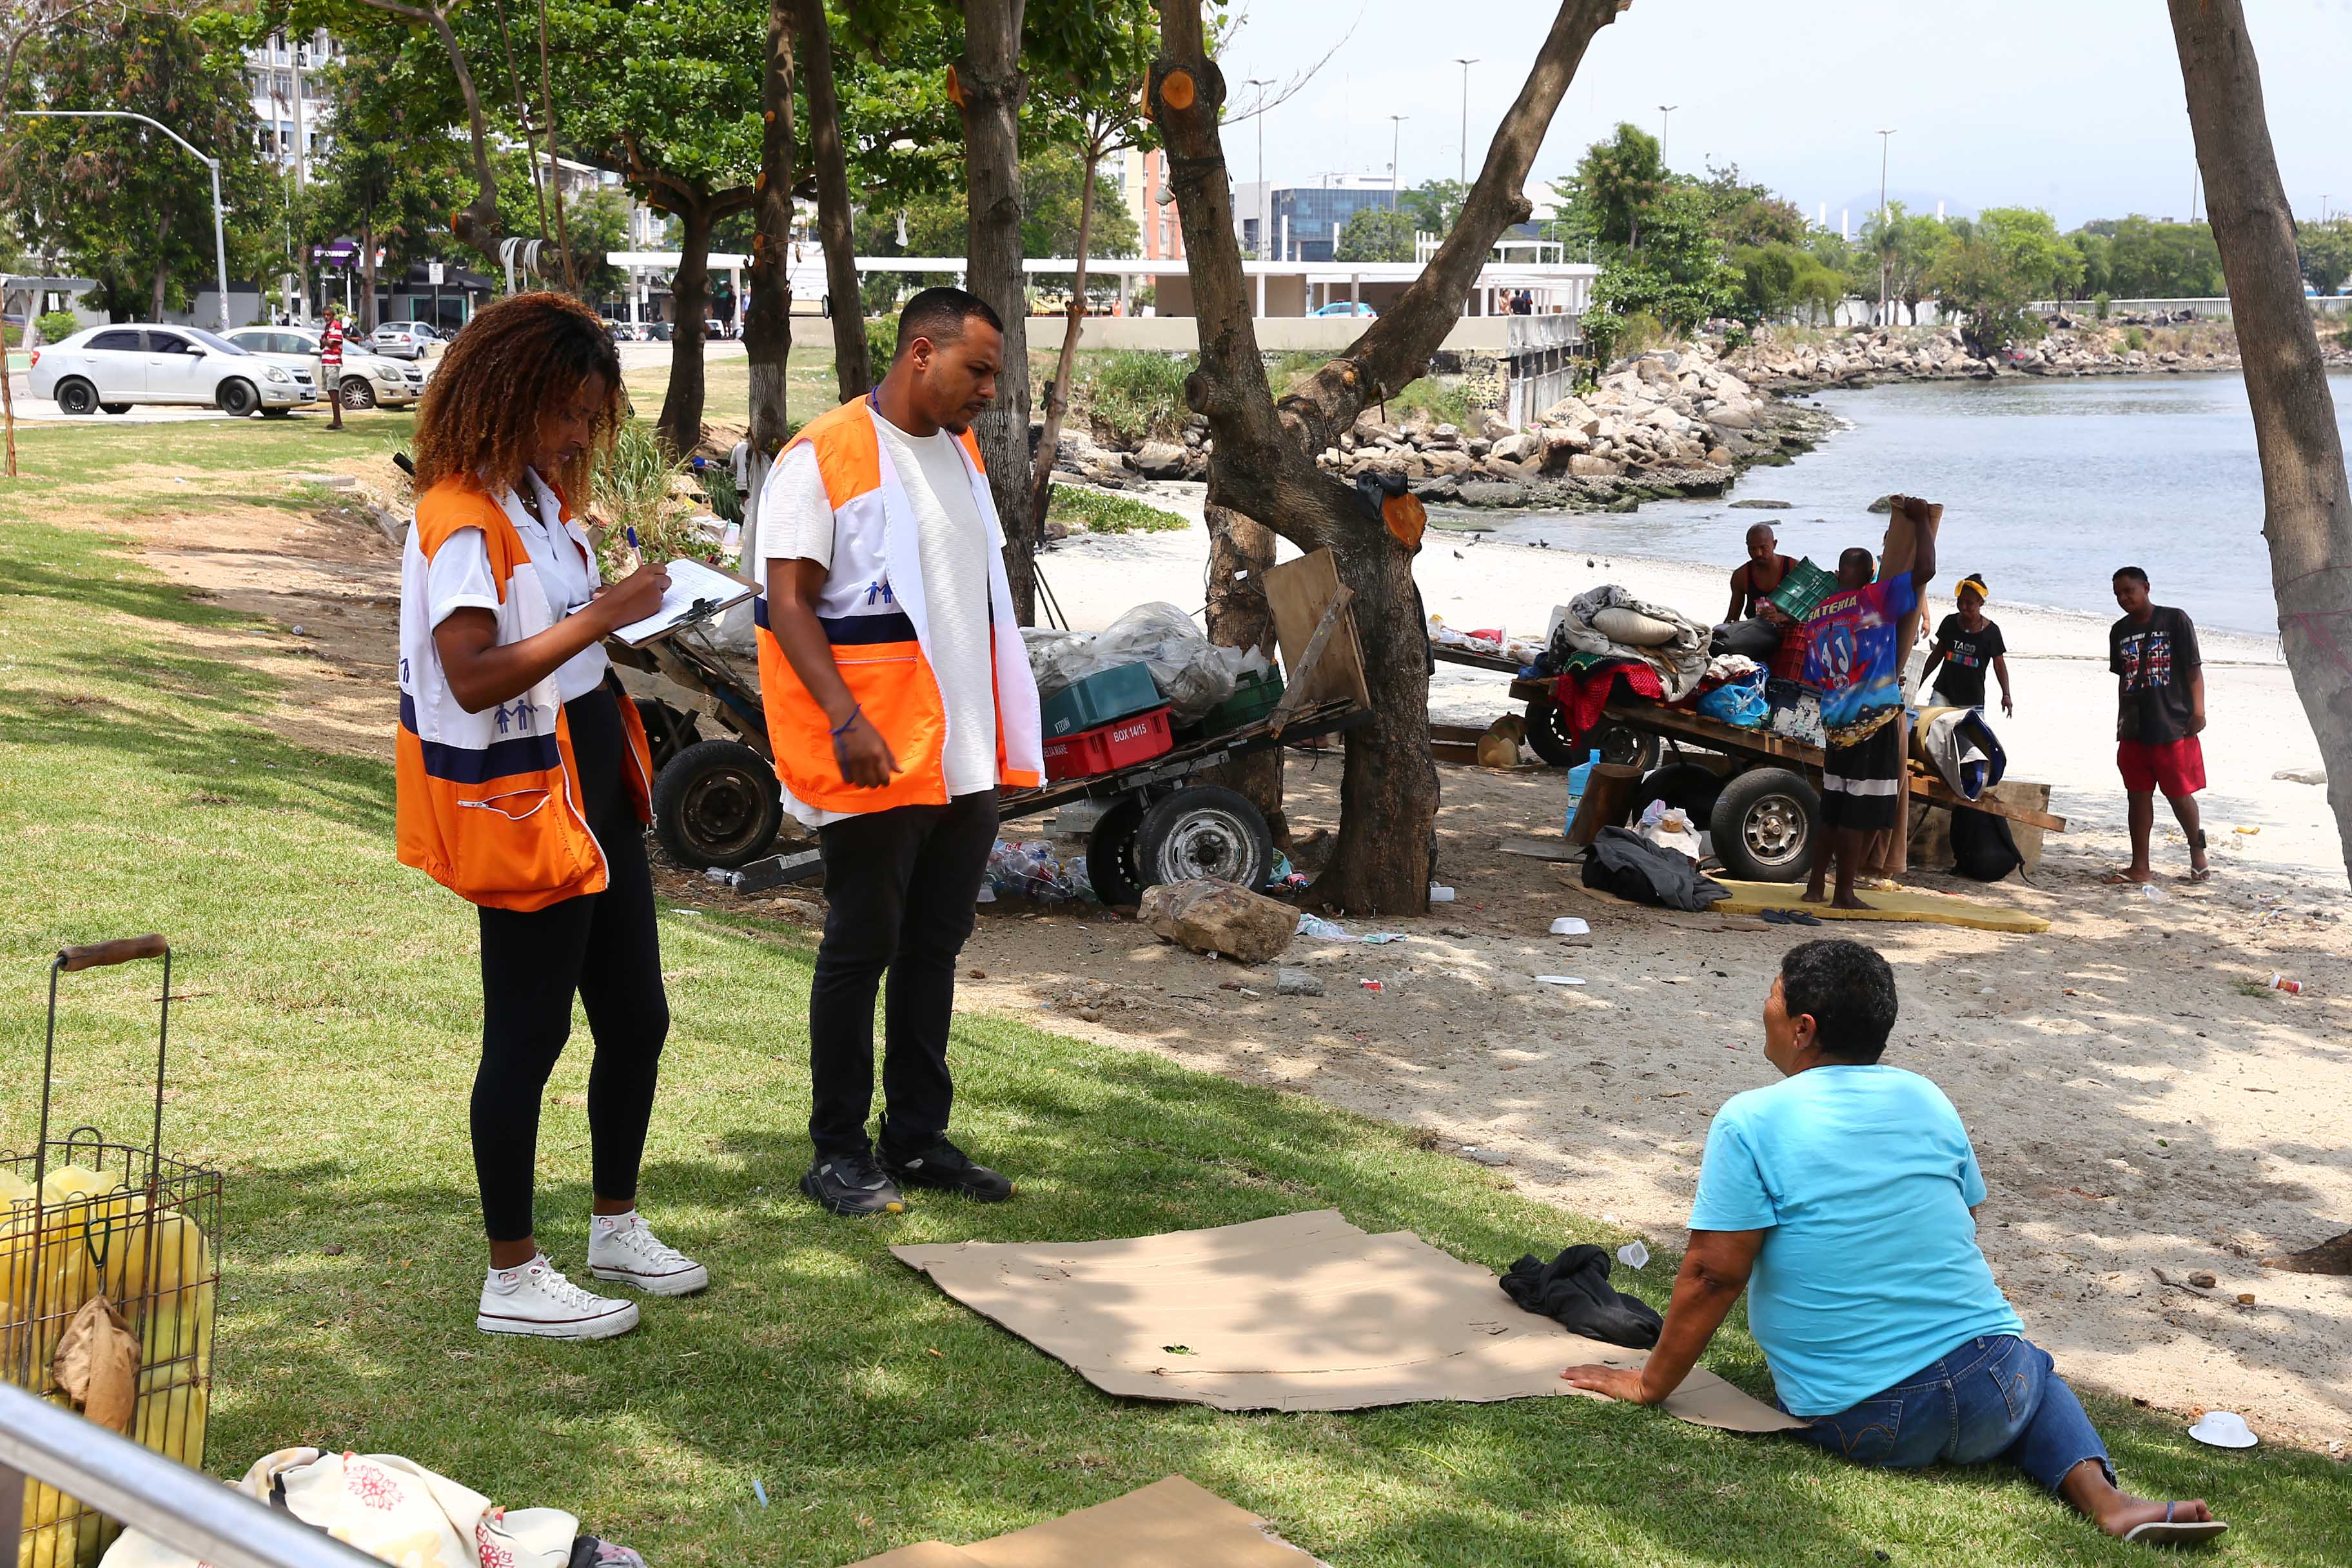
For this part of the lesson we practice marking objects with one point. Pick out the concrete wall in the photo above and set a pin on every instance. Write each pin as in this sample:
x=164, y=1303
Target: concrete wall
x=1330, y=334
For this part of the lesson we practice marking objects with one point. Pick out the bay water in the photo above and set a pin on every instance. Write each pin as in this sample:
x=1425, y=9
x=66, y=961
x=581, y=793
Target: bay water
x=2048, y=486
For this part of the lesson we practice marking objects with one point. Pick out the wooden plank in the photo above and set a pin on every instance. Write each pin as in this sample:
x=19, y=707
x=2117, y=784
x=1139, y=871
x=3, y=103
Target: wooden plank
x=1457, y=732
x=1454, y=751
x=1713, y=734
x=1493, y=661
x=1931, y=788
x=1318, y=648
x=1608, y=796
x=1298, y=592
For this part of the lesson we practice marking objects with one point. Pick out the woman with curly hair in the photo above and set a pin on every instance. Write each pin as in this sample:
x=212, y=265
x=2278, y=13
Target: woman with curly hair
x=524, y=786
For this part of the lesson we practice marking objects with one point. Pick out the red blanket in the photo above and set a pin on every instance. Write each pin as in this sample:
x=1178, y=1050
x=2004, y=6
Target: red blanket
x=1582, y=694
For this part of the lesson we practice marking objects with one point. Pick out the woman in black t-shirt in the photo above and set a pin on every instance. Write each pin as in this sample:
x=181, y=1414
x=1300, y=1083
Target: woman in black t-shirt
x=1966, y=645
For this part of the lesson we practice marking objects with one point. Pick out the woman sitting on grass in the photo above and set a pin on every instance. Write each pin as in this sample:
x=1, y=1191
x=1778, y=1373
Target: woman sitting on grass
x=1842, y=1199
x=524, y=785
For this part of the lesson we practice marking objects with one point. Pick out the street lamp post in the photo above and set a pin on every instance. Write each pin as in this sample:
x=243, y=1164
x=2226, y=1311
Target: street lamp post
x=1396, y=141
x=1265, y=196
x=220, y=237
x=1665, y=117
x=1462, y=174
x=1884, y=137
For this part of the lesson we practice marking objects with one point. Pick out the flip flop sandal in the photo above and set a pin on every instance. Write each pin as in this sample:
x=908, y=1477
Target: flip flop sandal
x=2117, y=879
x=1787, y=918
x=2169, y=1531
x=2200, y=873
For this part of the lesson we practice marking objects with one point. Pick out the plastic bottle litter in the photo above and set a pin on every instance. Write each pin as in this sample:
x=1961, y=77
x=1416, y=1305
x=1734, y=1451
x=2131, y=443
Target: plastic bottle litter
x=1558, y=980
x=1438, y=895
x=722, y=876
x=1634, y=1255
x=1033, y=868
x=2283, y=983
x=1569, y=925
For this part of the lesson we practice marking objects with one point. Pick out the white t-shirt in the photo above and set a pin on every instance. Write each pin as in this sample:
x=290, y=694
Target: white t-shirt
x=952, y=537
x=458, y=577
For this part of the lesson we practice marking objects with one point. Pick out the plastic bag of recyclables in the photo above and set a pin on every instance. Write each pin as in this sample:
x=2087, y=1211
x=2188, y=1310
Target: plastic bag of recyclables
x=1193, y=673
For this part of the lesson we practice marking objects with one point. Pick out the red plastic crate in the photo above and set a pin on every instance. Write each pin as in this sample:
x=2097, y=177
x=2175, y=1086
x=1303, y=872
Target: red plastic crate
x=1116, y=745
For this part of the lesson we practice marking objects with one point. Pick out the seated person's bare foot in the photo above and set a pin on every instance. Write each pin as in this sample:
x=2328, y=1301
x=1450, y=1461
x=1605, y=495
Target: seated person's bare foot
x=2127, y=1513
x=2118, y=1513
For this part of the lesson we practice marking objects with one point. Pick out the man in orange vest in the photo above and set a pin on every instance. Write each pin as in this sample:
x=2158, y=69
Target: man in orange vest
x=898, y=701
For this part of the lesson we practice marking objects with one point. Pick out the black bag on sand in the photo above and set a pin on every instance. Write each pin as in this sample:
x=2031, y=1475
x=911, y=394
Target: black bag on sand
x=1983, y=849
x=1573, y=1289
x=1622, y=862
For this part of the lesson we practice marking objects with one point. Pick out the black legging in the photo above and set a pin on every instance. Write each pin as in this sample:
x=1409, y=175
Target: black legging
x=603, y=946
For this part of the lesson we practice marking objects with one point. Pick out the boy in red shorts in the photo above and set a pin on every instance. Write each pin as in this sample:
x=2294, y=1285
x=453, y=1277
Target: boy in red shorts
x=2160, y=693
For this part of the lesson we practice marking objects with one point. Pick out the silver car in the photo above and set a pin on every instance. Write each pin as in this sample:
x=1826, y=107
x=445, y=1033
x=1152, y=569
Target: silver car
x=113, y=367
x=405, y=340
x=370, y=380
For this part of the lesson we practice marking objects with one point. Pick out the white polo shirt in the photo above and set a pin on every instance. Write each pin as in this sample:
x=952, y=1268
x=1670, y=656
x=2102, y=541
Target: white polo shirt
x=458, y=577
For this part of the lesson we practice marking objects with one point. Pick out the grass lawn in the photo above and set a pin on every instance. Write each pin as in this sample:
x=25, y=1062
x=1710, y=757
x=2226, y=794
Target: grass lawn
x=321, y=1059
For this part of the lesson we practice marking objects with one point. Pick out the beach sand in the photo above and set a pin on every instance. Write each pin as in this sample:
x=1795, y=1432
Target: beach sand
x=2135, y=1107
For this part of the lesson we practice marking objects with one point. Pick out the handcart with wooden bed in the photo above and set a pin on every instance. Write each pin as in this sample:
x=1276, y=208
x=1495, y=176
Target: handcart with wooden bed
x=716, y=800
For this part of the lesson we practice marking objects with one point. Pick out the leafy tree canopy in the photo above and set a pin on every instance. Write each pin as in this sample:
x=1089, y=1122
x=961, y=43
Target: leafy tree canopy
x=1376, y=233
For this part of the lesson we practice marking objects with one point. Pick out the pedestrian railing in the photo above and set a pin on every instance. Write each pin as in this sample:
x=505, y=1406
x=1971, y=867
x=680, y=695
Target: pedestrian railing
x=182, y=1508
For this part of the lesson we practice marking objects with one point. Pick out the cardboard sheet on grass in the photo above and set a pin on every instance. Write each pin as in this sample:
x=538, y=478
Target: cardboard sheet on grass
x=1303, y=1311
x=1168, y=1524
x=1905, y=906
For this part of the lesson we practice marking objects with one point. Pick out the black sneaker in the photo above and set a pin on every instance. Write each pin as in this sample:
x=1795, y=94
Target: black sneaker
x=949, y=1169
x=852, y=1184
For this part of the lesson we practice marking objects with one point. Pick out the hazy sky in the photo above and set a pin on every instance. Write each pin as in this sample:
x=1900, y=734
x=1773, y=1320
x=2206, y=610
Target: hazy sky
x=2072, y=105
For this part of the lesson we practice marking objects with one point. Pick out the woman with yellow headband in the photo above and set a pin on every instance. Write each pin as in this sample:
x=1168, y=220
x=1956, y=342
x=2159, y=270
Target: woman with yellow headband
x=1966, y=645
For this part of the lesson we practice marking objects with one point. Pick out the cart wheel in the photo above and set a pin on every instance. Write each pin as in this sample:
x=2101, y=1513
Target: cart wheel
x=669, y=731
x=1204, y=831
x=1548, y=733
x=1763, y=824
x=1110, y=855
x=1686, y=786
x=717, y=803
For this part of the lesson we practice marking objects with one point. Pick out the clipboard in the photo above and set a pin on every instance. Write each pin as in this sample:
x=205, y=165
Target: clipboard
x=697, y=592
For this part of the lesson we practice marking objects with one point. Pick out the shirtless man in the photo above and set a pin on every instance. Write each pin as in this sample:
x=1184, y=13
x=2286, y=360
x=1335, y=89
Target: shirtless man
x=1760, y=574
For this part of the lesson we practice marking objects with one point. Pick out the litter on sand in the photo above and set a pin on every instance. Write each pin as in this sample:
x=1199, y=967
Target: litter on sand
x=1558, y=980
x=1439, y=895
x=1321, y=930
x=1569, y=925
x=1634, y=1255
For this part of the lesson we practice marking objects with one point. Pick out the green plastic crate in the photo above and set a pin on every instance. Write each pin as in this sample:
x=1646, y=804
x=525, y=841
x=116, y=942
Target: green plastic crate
x=1253, y=697
x=1103, y=697
x=1805, y=587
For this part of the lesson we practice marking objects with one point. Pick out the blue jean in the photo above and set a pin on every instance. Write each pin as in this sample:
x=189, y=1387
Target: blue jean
x=1996, y=1397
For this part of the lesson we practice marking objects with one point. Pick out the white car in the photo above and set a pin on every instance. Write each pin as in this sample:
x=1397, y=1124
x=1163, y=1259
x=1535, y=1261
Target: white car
x=405, y=340
x=370, y=380
x=115, y=366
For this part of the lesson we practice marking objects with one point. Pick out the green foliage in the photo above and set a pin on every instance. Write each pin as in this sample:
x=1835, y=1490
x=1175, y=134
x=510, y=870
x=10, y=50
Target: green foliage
x=1052, y=192
x=1613, y=187
x=1901, y=247
x=1991, y=268
x=2326, y=249
x=2137, y=257
x=1134, y=394
x=1434, y=205
x=718, y=482
x=2101, y=303
x=2134, y=340
x=1376, y=233
x=57, y=325
x=1445, y=400
x=118, y=201
x=881, y=341
x=1099, y=512
x=1680, y=275
x=633, y=490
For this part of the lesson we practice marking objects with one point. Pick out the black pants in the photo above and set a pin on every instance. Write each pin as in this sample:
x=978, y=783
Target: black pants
x=899, y=886
x=605, y=948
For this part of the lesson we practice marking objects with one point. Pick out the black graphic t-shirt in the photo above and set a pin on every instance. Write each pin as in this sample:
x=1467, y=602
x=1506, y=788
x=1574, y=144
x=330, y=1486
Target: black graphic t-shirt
x=2155, y=660
x=1966, y=655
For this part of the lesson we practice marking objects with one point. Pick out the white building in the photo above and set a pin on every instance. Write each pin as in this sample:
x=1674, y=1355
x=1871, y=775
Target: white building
x=282, y=77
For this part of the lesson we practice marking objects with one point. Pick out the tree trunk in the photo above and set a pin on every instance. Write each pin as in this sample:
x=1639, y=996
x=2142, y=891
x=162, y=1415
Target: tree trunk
x=681, y=410
x=768, y=327
x=1263, y=464
x=1239, y=550
x=477, y=223
x=852, y=367
x=555, y=170
x=1058, y=391
x=367, y=264
x=992, y=87
x=2307, y=517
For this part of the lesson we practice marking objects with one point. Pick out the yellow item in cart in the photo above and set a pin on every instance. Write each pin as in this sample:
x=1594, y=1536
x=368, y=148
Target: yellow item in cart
x=75, y=1197
x=19, y=1225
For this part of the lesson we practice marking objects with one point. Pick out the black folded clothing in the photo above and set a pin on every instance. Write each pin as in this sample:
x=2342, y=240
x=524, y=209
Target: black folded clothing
x=1573, y=1289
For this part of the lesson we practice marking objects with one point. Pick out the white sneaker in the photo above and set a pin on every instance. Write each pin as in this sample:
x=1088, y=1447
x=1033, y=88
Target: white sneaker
x=536, y=1298
x=622, y=1248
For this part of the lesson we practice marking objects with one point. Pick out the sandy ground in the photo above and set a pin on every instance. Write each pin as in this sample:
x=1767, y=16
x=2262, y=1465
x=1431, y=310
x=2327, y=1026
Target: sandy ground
x=2135, y=1105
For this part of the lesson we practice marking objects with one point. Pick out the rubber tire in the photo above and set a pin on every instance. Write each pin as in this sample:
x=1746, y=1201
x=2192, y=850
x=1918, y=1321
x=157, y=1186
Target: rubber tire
x=357, y=396
x=76, y=395
x=116, y=407
x=660, y=721
x=235, y=397
x=1110, y=855
x=1689, y=785
x=1204, y=831
x=717, y=803
x=1730, y=821
x=1548, y=734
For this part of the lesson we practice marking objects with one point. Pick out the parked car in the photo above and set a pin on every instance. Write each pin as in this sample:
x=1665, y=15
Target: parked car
x=112, y=367
x=405, y=340
x=369, y=380
x=1344, y=308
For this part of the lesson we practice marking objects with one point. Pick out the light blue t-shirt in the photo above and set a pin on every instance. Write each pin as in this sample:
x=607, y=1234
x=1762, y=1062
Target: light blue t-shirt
x=1862, y=1178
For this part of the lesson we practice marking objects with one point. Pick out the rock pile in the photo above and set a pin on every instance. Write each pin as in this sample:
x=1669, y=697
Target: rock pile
x=1868, y=355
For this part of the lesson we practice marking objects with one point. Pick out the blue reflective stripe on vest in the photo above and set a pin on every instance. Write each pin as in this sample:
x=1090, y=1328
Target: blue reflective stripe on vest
x=500, y=759
x=854, y=631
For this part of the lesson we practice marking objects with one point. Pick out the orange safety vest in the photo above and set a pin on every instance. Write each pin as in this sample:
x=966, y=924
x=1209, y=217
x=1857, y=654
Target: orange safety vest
x=875, y=612
x=489, y=802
